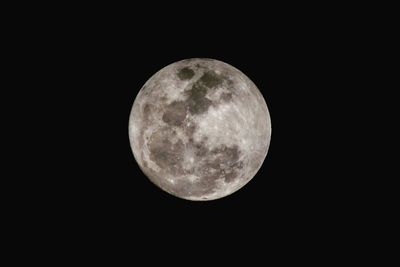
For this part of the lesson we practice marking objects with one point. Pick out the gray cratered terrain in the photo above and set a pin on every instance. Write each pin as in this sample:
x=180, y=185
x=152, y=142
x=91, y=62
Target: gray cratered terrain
x=199, y=129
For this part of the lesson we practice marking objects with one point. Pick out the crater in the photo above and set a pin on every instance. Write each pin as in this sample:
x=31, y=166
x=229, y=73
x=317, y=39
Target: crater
x=226, y=97
x=199, y=106
x=211, y=79
x=228, y=153
x=224, y=161
x=185, y=73
x=197, y=101
x=199, y=148
x=229, y=176
x=146, y=111
x=197, y=92
x=188, y=189
x=175, y=113
x=164, y=153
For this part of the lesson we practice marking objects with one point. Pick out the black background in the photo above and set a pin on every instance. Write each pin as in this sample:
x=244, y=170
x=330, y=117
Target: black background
x=98, y=61
x=76, y=188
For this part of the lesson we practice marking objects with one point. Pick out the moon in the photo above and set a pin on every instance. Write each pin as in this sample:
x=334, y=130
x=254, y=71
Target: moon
x=199, y=129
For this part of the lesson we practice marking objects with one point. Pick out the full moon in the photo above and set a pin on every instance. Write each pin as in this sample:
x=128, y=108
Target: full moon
x=199, y=129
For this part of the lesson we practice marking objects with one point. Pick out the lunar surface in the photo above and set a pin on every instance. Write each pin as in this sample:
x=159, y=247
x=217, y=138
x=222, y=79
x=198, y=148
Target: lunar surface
x=199, y=129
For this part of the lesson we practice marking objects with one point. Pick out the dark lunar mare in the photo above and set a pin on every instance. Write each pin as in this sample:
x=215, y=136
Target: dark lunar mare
x=185, y=73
